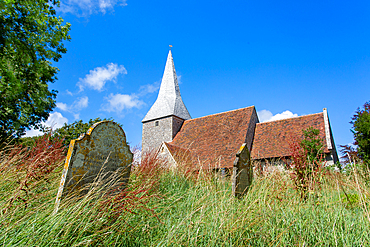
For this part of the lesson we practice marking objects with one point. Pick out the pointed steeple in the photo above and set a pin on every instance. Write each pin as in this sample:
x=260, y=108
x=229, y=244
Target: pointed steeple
x=169, y=101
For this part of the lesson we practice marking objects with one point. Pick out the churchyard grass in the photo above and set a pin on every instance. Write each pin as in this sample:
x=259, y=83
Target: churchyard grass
x=164, y=207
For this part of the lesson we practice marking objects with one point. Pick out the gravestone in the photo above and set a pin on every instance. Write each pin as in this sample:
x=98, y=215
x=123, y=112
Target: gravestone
x=242, y=172
x=98, y=154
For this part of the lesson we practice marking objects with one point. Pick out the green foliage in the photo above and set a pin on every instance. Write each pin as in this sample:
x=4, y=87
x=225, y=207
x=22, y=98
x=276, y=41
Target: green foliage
x=361, y=131
x=350, y=154
x=312, y=144
x=352, y=200
x=66, y=133
x=28, y=141
x=31, y=38
x=72, y=131
x=306, y=161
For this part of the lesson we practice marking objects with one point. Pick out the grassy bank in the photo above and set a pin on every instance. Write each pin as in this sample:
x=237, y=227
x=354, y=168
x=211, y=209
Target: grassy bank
x=174, y=208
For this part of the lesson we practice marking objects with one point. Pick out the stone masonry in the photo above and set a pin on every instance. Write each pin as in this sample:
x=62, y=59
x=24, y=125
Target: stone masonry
x=166, y=116
x=157, y=131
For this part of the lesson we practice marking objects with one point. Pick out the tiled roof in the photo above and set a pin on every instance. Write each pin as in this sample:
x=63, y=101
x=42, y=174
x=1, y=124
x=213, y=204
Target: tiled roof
x=215, y=139
x=181, y=155
x=271, y=139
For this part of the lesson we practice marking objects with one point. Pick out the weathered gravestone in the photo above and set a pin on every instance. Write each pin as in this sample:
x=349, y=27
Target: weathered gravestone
x=242, y=172
x=98, y=154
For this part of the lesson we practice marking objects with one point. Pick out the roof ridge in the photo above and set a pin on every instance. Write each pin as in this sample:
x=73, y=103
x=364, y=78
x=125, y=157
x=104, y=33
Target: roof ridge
x=220, y=113
x=286, y=119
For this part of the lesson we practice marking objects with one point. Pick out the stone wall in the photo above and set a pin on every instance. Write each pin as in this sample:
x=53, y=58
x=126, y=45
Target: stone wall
x=157, y=131
x=176, y=125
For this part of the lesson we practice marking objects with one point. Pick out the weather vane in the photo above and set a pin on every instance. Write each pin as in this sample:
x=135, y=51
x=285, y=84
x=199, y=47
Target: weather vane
x=170, y=46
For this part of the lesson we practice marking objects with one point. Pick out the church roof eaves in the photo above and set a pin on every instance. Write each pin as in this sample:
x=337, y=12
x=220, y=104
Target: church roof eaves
x=144, y=121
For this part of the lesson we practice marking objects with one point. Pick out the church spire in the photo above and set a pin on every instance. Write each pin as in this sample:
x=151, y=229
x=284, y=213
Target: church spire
x=169, y=101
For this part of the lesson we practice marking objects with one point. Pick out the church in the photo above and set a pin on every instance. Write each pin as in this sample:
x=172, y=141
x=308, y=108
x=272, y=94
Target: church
x=213, y=141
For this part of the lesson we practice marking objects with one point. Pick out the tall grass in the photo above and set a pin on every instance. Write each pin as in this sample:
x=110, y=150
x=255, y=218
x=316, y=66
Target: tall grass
x=163, y=207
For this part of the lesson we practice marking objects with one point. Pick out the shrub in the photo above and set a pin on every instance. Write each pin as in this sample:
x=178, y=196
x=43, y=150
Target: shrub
x=306, y=161
x=72, y=131
x=312, y=144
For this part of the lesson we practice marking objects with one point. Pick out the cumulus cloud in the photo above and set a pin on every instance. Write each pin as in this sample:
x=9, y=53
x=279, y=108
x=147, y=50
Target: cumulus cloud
x=97, y=77
x=267, y=116
x=84, y=8
x=76, y=106
x=62, y=106
x=119, y=102
x=55, y=121
x=33, y=132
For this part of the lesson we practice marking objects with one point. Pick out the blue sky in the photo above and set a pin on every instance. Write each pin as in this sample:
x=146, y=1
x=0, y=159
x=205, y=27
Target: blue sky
x=287, y=58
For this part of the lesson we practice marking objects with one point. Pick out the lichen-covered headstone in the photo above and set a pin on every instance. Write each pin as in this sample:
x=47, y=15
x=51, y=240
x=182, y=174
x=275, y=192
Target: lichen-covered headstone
x=242, y=172
x=99, y=153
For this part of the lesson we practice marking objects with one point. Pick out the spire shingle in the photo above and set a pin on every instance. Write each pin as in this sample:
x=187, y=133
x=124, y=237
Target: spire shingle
x=169, y=101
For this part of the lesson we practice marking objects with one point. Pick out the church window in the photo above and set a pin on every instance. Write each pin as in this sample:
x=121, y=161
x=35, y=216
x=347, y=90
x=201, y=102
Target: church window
x=156, y=123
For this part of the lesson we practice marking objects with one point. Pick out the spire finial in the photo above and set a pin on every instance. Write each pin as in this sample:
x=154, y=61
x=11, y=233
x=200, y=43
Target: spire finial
x=169, y=101
x=170, y=46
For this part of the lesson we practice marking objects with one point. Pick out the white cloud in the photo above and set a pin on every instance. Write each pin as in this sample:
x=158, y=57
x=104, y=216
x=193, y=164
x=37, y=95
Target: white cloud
x=33, y=132
x=62, y=106
x=119, y=102
x=179, y=79
x=267, y=116
x=69, y=92
x=55, y=121
x=81, y=103
x=264, y=115
x=149, y=88
x=76, y=107
x=88, y=7
x=97, y=77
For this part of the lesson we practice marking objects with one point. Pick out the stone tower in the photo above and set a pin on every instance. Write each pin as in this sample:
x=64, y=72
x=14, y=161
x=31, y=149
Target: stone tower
x=165, y=117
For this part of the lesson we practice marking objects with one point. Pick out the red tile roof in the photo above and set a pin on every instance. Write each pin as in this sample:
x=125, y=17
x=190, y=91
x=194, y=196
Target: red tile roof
x=181, y=155
x=271, y=139
x=215, y=139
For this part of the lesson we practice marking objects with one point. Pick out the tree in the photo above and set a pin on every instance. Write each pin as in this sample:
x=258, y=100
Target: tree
x=72, y=131
x=66, y=133
x=361, y=131
x=31, y=37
